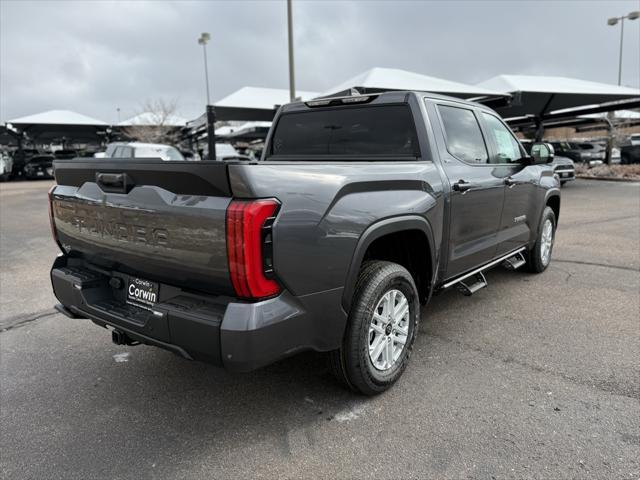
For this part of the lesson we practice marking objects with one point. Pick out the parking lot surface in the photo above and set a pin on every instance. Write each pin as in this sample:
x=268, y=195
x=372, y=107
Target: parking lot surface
x=536, y=376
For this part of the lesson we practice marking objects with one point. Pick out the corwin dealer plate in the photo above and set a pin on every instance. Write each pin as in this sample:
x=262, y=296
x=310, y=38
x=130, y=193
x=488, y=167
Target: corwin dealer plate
x=142, y=293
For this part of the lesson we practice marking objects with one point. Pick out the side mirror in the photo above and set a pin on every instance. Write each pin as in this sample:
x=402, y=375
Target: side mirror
x=541, y=153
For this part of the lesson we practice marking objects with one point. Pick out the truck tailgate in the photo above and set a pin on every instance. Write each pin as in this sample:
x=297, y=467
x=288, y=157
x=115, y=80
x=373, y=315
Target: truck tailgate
x=161, y=221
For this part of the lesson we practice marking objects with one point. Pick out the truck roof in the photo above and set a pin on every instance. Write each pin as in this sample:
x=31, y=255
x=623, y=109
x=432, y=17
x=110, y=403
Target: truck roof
x=381, y=97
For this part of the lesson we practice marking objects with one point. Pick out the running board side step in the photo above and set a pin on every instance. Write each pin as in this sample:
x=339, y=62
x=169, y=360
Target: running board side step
x=467, y=288
x=475, y=280
x=514, y=262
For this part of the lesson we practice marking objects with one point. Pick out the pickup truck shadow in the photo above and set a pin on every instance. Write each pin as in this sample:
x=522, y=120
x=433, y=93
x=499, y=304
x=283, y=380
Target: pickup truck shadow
x=159, y=409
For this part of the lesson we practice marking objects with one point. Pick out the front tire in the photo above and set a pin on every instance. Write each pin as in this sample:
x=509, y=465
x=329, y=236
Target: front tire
x=381, y=330
x=540, y=255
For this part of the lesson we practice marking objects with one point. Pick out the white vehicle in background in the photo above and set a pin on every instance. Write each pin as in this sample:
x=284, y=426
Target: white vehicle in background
x=6, y=165
x=143, y=150
x=224, y=151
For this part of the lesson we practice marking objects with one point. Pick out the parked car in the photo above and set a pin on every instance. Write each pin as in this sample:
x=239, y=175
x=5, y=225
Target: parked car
x=630, y=154
x=20, y=158
x=562, y=166
x=360, y=209
x=39, y=166
x=226, y=151
x=6, y=165
x=190, y=156
x=593, y=151
x=576, y=152
x=143, y=150
x=62, y=154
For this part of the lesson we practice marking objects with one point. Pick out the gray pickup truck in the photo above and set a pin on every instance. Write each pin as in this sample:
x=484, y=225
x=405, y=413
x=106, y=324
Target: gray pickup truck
x=361, y=208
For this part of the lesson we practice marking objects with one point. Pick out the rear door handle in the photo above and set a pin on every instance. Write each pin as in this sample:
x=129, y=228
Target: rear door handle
x=461, y=186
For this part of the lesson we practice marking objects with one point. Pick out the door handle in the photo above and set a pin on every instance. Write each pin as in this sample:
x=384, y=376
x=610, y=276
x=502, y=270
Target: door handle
x=114, y=182
x=461, y=186
x=110, y=179
x=510, y=182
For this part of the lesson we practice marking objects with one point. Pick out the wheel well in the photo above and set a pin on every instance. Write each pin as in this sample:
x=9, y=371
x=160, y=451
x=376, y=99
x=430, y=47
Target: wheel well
x=409, y=248
x=554, y=203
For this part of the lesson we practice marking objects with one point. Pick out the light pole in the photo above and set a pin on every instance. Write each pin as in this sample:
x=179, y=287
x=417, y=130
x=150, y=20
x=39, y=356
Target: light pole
x=292, y=81
x=211, y=113
x=614, y=21
x=204, y=38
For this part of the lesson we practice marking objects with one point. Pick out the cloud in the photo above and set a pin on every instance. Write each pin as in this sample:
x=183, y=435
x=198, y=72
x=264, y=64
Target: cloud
x=97, y=56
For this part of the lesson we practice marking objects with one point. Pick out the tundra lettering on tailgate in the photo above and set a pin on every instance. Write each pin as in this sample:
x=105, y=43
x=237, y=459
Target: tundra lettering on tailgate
x=93, y=222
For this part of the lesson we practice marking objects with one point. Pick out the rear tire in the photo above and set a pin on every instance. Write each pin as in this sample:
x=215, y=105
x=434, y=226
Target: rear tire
x=381, y=330
x=539, y=256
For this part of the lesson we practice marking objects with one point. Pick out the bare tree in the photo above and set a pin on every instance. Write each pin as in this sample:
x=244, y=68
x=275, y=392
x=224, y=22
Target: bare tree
x=155, y=123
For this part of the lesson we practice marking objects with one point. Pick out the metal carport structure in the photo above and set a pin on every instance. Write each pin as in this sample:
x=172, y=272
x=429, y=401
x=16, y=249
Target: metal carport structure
x=538, y=100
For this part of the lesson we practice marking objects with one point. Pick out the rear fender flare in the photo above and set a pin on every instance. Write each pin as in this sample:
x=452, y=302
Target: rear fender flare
x=380, y=229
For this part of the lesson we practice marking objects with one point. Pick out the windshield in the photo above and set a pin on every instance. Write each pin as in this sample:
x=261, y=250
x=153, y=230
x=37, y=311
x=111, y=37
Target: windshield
x=386, y=130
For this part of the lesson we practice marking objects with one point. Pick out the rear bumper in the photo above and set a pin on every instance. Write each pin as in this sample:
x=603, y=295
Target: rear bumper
x=239, y=336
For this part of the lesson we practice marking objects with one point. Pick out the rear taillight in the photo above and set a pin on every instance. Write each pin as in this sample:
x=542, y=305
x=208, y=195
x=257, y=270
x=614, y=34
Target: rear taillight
x=52, y=223
x=249, y=247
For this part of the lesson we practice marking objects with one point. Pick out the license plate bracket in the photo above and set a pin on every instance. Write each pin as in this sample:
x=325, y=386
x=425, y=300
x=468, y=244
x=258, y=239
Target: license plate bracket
x=142, y=293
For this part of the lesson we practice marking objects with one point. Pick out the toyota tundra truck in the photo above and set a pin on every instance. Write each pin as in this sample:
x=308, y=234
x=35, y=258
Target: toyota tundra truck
x=360, y=209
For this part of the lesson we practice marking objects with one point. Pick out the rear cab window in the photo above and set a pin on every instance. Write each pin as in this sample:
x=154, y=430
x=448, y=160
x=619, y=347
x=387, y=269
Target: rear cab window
x=385, y=132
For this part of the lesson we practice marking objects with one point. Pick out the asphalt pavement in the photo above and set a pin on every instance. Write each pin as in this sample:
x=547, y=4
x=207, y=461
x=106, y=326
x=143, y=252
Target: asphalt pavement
x=537, y=376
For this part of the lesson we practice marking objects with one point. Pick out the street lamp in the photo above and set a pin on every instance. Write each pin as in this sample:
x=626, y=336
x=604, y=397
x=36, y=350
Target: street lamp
x=292, y=81
x=614, y=21
x=204, y=38
x=211, y=113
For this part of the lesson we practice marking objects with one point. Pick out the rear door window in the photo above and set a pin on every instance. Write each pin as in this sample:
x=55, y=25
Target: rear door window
x=372, y=131
x=463, y=136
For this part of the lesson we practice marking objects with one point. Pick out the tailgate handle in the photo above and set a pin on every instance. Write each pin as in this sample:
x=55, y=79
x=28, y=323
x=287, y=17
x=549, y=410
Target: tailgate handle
x=114, y=182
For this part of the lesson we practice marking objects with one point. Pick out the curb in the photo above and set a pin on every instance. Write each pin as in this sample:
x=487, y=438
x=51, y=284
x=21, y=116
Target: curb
x=608, y=179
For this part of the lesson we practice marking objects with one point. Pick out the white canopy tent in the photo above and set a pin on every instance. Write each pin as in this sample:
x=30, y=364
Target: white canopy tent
x=54, y=125
x=150, y=119
x=261, y=98
x=57, y=117
x=384, y=79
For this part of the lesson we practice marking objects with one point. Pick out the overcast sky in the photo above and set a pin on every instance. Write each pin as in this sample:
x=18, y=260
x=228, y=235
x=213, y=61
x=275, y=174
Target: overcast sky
x=93, y=57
